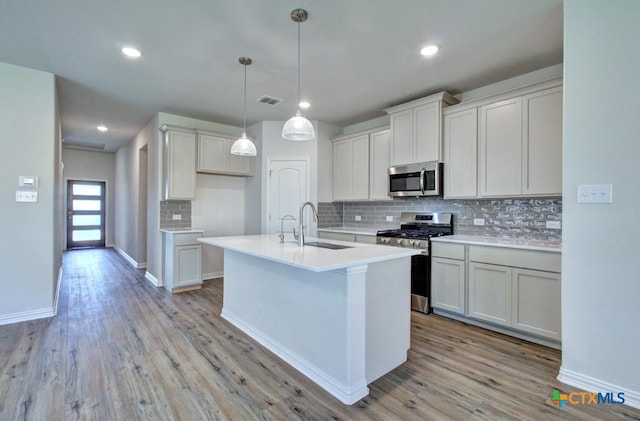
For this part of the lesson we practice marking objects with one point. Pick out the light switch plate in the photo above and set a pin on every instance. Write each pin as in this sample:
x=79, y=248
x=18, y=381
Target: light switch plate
x=595, y=193
x=29, y=196
x=478, y=221
x=389, y=218
x=177, y=217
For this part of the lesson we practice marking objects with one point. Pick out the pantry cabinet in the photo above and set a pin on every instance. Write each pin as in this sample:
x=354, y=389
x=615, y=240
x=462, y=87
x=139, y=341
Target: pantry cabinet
x=360, y=166
x=416, y=129
x=214, y=156
x=178, y=163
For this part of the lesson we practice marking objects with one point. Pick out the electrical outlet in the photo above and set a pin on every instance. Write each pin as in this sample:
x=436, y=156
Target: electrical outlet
x=389, y=218
x=26, y=196
x=478, y=221
x=261, y=311
x=358, y=218
x=554, y=225
x=177, y=217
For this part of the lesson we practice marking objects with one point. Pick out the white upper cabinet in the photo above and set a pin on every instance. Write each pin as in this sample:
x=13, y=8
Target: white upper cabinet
x=379, y=148
x=507, y=145
x=351, y=168
x=360, y=166
x=542, y=142
x=214, y=156
x=500, y=148
x=461, y=154
x=416, y=129
x=179, y=163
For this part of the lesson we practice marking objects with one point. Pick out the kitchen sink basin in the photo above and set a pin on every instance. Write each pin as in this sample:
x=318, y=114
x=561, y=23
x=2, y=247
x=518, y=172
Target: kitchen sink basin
x=326, y=245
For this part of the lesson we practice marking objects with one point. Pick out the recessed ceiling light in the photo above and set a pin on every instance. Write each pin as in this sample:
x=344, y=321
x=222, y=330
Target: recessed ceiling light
x=429, y=50
x=131, y=52
x=304, y=105
x=102, y=128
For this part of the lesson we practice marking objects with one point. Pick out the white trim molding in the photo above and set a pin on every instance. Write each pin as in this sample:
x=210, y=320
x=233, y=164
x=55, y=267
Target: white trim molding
x=57, y=296
x=24, y=316
x=212, y=275
x=152, y=279
x=130, y=259
x=590, y=384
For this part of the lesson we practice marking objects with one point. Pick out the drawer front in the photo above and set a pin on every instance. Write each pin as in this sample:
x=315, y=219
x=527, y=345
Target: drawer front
x=528, y=259
x=185, y=239
x=336, y=236
x=447, y=250
x=368, y=239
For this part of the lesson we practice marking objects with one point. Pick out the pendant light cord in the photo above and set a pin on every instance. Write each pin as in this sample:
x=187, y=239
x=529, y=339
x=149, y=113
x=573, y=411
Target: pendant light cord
x=244, y=124
x=298, y=65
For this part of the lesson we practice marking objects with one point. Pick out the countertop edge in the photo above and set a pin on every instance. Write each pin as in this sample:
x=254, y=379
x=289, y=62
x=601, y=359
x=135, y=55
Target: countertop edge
x=350, y=230
x=499, y=242
x=181, y=231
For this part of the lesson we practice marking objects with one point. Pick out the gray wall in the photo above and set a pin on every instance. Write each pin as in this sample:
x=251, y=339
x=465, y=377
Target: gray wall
x=600, y=265
x=30, y=253
x=93, y=166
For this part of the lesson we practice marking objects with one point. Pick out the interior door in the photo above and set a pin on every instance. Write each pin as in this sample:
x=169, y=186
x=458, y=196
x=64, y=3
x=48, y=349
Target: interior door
x=85, y=214
x=288, y=189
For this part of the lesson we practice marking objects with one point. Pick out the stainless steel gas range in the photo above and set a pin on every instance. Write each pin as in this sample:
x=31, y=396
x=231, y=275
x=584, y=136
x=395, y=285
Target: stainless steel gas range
x=415, y=231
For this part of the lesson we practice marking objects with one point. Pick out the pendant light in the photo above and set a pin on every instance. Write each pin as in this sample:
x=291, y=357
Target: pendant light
x=244, y=146
x=297, y=127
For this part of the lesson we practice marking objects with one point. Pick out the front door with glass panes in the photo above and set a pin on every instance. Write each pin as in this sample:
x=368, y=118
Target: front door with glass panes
x=85, y=213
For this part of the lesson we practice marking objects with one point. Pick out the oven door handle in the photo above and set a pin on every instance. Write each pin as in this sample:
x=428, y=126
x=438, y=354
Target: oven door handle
x=422, y=180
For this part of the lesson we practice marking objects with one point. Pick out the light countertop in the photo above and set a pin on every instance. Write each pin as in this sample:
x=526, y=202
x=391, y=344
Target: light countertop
x=519, y=243
x=350, y=230
x=311, y=258
x=181, y=231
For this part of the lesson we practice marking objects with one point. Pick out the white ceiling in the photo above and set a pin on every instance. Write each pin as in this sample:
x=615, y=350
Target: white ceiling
x=358, y=56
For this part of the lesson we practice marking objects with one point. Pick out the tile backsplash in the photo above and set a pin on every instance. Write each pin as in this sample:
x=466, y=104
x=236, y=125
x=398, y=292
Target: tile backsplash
x=168, y=208
x=522, y=218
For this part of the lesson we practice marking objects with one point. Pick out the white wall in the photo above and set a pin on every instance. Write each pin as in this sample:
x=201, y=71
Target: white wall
x=30, y=254
x=601, y=242
x=317, y=151
x=93, y=166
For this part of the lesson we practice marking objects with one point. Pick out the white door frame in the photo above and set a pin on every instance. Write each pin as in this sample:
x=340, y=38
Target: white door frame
x=265, y=207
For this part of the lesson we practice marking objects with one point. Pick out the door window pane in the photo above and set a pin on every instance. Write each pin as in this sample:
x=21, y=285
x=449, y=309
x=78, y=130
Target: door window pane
x=83, y=220
x=87, y=189
x=86, y=235
x=80, y=205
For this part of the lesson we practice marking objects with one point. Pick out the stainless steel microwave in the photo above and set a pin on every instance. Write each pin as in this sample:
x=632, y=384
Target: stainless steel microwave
x=422, y=179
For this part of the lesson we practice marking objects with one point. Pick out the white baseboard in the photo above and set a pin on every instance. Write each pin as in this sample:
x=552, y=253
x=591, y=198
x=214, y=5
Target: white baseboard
x=212, y=275
x=57, y=296
x=130, y=259
x=590, y=384
x=152, y=279
x=25, y=316
x=348, y=394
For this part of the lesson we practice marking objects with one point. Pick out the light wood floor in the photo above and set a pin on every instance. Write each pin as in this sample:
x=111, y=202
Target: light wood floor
x=121, y=349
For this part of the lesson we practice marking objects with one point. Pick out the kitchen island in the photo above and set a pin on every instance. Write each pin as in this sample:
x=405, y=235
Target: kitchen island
x=339, y=316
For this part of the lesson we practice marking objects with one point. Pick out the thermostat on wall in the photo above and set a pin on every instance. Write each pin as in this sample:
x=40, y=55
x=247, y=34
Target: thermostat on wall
x=27, y=181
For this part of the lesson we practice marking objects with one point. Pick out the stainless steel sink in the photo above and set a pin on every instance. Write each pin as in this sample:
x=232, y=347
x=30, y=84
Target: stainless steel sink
x=326, y=245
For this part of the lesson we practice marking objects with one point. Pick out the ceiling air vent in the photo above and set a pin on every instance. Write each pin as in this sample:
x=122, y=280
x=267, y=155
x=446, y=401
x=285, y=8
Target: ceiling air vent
x=269, y=100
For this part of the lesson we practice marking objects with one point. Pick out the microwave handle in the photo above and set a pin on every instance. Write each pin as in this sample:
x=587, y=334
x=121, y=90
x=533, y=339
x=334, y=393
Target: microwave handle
x=422, y=180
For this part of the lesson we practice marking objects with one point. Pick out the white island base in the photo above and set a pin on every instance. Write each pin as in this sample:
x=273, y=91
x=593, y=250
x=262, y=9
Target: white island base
x=343, y=328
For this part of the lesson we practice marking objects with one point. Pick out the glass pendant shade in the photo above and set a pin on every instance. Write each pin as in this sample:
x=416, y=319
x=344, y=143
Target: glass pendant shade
x=243, y=146
x=298, y=128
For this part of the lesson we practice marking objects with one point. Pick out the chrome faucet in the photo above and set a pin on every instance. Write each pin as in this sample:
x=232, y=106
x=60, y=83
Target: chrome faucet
x=301, y=221
x=281, y=235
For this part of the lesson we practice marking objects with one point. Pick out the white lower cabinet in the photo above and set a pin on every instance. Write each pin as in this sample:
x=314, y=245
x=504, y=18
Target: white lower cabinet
x=511, y=290
x=490, y=293
x=448, y=273
x=183, y=261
